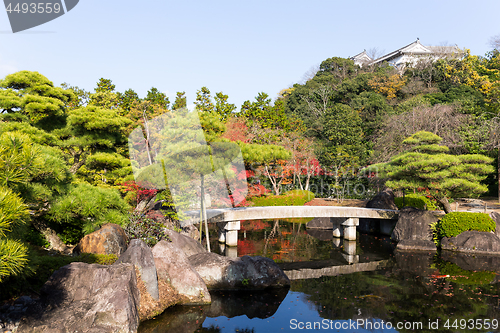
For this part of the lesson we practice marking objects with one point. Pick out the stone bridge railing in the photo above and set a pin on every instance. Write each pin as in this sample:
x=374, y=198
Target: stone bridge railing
x=347, y=218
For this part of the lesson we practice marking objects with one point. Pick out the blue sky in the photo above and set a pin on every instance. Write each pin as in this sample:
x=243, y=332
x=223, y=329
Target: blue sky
x=239, y=48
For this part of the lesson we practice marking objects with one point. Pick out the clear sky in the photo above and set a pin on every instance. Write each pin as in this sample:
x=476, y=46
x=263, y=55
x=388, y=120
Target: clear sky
x=238, y=47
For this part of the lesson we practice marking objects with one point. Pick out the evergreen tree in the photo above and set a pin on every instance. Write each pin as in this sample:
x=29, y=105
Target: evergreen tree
x=31, y=97
x=155, y=97
x=13, y=253
x=180, y=101
x=427, y=165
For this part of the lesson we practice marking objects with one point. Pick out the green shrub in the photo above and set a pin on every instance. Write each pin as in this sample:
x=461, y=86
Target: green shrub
x=417, y=201
x=308, y=195
x=290, y=198
x=84, y=209
x=453, y=224
x=146, y=229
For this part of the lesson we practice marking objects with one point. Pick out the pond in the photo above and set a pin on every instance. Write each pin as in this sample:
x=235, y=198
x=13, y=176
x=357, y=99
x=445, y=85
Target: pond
x=341, y=286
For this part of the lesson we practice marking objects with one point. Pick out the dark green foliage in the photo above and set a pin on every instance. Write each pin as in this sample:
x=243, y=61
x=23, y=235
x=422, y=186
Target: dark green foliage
x=336, y=67
x=158, y=98
x=86, y=208
x=454, y=223
x=263, y=114
x=415, y=200
x=342, y=138
x=34, y=96
x=146, y=229
x=127, y=99
x=372, y=108
x=425, y=164
x=460, y=93
x=180, y=101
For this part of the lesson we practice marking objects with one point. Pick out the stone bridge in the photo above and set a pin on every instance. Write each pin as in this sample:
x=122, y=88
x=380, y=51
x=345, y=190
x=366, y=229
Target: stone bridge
x=344, y=219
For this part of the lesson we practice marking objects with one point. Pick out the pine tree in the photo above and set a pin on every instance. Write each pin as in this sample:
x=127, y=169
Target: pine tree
x=428, y=165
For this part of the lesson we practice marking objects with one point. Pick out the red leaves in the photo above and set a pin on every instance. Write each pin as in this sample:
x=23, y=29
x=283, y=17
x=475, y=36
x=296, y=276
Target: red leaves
x=236, y=130
x=140, y=192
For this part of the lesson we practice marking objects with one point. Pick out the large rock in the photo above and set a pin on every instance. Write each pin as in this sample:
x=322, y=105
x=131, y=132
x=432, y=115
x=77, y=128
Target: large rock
x=173, y=267
x=155, y=296
x=86, y=298
x=496, y=217
x=185, y=243
x=245, y=272
x=383, y=200
x=110, y=239
x=413, y=230
x=139, y=254
x=474, y=242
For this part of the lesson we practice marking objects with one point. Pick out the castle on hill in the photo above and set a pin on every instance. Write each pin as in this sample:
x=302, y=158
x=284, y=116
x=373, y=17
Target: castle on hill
x=409, y=55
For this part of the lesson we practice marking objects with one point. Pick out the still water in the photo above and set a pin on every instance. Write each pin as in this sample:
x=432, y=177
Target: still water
x=340, y=286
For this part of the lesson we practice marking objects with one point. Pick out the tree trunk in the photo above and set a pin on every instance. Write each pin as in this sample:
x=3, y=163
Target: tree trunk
x=78, y=161
x=51, y=236
x=446, y=204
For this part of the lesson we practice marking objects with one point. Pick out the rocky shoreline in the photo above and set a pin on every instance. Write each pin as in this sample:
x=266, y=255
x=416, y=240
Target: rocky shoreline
x=141, y=284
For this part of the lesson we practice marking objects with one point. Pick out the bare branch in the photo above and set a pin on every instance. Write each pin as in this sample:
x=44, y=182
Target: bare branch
x=495, y=42
x=442, y=120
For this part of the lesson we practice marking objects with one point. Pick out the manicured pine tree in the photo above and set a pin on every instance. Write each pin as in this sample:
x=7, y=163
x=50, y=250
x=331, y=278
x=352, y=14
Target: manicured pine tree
x=428, y=165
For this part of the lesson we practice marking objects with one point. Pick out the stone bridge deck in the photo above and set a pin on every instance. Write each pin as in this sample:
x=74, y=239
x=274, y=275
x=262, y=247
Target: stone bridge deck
x=347, y=218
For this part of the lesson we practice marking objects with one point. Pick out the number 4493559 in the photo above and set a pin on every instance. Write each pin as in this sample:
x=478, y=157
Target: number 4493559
x=472, y=324
x=33, y=8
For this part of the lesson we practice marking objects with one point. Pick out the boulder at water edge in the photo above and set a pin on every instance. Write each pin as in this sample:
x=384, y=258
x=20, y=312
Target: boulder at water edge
x=496, y=217
x=152, y=301
x=245, y=272
x=382, y=200
x=139, y=254
x=185, y=243
x=173, y=267
x=474, y=242
x=110, y=239
x=84, y=298
x=413, y=231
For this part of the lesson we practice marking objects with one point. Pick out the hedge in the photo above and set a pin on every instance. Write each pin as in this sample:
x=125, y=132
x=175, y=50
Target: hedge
x=290, y=198
x=453, y=224
x=417, y=201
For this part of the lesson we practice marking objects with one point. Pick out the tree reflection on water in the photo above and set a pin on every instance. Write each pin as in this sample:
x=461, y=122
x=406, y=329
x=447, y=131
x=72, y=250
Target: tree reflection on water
x=408, y=287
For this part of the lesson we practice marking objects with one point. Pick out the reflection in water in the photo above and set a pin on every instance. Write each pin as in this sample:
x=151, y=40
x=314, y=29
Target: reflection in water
x=382, y=285
x=225, y=304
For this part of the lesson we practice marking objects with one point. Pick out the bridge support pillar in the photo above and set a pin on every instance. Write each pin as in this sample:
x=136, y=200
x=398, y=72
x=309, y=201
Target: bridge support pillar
x=228, y=233
x=350, y=228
